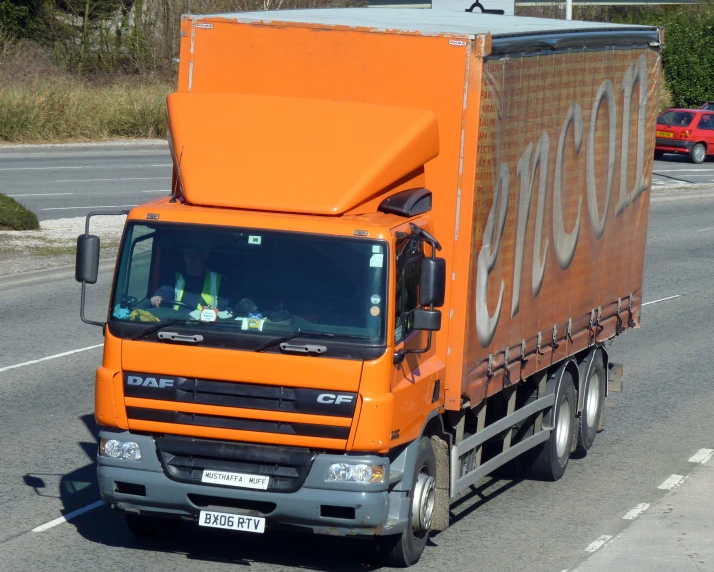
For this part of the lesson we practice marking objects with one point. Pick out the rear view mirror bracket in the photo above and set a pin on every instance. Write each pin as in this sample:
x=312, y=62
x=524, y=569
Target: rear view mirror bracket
x=431, y=293
x=87, y=261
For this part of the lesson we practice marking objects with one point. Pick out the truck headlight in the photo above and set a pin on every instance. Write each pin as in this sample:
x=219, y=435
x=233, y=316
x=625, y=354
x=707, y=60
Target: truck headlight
x=355, y=473
x=120, y=449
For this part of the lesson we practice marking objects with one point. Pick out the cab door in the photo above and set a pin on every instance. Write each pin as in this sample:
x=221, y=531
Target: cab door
x=416, y=383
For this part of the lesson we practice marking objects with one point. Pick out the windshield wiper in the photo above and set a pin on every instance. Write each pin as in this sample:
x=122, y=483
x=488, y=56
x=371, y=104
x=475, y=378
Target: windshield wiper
x=157, y=327
x=295, y=334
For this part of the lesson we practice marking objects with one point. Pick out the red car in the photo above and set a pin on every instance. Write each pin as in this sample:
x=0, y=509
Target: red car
x=688, y=131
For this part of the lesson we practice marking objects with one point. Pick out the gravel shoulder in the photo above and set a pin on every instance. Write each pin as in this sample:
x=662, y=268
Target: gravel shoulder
x=54, y=244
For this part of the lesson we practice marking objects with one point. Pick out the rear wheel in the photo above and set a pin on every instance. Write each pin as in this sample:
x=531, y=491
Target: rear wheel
x=594, y=393
x=152, y=526
x=547, y=462
x=405, y=549
x=698, y=153
x=658, y=154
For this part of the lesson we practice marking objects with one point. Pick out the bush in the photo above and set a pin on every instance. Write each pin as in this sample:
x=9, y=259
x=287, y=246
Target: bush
x=13, y=216
x=687, y=57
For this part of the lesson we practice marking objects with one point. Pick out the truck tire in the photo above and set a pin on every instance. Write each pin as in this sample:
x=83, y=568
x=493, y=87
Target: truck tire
x=548, y=461
x=698, y=153
x=143, y=526
x=405, y=549
x=594, y=400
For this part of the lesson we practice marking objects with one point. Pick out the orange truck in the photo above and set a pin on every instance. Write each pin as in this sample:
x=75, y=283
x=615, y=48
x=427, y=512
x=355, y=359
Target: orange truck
x=395, y=244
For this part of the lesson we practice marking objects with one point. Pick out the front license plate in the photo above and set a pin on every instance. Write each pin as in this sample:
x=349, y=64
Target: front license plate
x=231, y=521
x=235, y=479
x=666, y=134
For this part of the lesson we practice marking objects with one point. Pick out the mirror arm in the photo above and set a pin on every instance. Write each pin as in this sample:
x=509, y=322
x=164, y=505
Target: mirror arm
x=426, y=237
x=81, y=309
x=84, y=284
x=103, y=212
x=422, y=350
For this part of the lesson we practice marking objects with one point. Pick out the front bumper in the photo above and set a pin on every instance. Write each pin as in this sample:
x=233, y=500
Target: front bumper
x=341, y=509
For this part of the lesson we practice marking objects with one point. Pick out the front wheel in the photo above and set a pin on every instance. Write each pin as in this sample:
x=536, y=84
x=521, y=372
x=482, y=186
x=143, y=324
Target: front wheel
x=698, y=153
x=405, y=549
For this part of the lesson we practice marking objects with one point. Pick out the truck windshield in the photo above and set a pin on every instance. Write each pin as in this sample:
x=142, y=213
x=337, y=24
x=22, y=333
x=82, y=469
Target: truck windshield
x=251, y=283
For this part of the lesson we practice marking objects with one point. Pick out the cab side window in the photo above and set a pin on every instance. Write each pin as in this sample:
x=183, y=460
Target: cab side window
x=138, y=279
x=409, y=257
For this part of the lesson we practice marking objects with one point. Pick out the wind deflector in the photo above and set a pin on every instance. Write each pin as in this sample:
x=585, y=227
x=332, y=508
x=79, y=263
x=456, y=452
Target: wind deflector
x=407, y=203
x=561, y=41
x=294, y=155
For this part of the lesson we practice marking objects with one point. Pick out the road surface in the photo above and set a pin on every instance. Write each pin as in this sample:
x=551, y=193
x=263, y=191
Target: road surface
x=661, y=420
x=62, y=182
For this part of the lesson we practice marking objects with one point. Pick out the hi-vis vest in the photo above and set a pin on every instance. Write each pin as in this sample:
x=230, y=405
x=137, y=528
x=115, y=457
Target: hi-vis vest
x=210, y=290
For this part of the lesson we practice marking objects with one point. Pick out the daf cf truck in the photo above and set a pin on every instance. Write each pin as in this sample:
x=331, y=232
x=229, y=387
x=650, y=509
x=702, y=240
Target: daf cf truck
x=395, y=245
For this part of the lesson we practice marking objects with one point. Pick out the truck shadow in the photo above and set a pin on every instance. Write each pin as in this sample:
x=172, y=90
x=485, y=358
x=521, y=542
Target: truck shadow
x=297, y=550
x=76, y=489
x=107, y=528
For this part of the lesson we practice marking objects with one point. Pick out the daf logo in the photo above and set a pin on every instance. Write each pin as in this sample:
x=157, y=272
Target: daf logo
x=336, y=399
x=149, y=382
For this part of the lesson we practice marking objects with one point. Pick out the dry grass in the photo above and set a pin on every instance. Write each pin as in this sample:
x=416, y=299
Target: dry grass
x=41, y=103
x=66, y=109
x=665, y=99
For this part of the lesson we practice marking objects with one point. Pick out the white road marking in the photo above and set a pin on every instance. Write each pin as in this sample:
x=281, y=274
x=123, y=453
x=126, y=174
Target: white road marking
x=703, y=171
x=701, y=456
x=703, y=229
x=34, y=361
x=68, y=517
x=637, y=511
x=161, y=191
x=661, y=300
x=76, y=167
x=671, y=482
x=104, y=180
x=598, y=544
x=94, y=207
x=41, y=195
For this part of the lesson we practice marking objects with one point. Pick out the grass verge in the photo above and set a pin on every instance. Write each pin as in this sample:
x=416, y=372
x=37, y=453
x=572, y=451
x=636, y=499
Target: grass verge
x=13, y=216
x=66, y=109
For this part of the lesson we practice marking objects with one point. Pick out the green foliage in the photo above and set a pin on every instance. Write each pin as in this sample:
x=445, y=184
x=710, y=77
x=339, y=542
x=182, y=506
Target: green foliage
x=688, y=55
x=688, y=58
x=14, y=20
x=13, y=216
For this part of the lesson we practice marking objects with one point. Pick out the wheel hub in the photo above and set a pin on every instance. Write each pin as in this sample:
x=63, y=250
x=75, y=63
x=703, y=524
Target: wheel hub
x=593, y=399
x=423, y=502
x=563, y=428
x=699, y=153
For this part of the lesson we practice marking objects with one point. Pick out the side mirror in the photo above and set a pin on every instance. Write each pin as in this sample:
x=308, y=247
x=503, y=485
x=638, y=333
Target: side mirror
x=432, y=286
x=87, y=262
x=429, y=320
